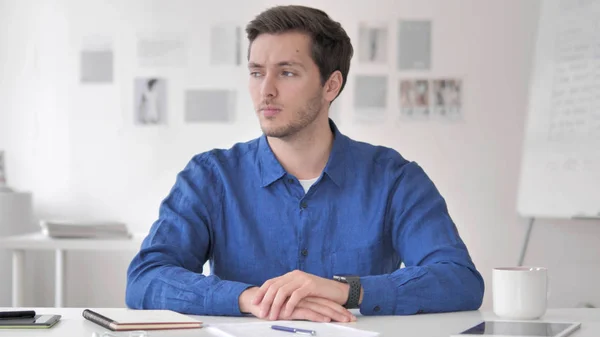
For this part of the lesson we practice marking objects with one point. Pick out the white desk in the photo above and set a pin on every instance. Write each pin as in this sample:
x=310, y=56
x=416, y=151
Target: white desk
x=432, y=325
x=37, y=241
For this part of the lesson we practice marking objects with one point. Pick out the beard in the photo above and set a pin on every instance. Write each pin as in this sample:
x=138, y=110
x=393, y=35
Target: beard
x=300, y=119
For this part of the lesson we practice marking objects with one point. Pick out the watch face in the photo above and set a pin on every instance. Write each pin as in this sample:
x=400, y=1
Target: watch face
x=353, y=292
x=345, y=277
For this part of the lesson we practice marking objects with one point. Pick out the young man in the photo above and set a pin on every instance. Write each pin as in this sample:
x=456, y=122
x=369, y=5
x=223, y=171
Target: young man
x=303, y=222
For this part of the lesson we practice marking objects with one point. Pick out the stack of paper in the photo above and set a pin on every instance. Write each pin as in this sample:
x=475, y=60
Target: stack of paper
x=263, y=329
x=95, y=230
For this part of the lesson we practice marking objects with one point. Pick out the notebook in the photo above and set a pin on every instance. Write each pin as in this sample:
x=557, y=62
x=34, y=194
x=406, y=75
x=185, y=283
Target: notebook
x=263, y=329
x=128, y=319
x=84, y=229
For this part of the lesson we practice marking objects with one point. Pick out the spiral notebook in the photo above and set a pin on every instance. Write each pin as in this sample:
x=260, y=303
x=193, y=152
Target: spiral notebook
x=128, y=319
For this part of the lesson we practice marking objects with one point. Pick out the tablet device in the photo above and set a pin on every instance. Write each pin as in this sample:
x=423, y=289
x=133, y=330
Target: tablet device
x=521, y=329
x=36, y=322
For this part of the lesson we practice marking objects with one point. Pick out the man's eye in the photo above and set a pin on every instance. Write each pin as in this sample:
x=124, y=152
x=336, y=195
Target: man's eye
x=255, y=74
x=287, y=74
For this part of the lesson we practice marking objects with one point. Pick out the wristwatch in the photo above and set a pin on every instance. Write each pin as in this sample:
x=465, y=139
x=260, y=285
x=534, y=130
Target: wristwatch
x=354, y=293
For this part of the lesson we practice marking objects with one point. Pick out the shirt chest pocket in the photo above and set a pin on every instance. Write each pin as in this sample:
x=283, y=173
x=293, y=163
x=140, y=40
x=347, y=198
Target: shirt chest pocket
x=362, y=261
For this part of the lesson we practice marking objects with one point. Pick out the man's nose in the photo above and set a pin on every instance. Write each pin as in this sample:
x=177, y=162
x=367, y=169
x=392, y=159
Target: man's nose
x=268, y=87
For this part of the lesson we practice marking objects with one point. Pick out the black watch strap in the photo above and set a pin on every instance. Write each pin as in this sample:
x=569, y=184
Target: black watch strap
x=353, y=293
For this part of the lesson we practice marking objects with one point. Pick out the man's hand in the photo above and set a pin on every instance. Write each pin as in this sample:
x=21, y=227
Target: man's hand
x=310, y=308
x=291, y=288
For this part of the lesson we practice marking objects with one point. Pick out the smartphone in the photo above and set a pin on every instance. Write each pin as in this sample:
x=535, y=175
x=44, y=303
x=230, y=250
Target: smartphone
x=36, y=322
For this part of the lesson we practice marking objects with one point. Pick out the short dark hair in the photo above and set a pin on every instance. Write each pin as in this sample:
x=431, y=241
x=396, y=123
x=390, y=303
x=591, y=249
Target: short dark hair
x=331, y=46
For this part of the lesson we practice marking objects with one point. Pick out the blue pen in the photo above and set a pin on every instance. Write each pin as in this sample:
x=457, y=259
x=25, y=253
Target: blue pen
x=294, y=330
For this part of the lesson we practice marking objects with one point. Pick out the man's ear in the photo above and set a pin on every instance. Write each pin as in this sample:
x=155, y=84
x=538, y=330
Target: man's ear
x=333, y=85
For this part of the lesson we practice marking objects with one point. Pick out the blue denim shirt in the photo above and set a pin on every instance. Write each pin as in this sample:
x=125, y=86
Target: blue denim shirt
x=370, y=210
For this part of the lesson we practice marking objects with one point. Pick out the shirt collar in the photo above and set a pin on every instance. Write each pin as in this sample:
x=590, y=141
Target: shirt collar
x=336, y=165
x=271, y=170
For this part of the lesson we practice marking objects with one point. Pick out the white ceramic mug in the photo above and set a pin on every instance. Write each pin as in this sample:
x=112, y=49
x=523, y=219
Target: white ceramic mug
x=520, y=292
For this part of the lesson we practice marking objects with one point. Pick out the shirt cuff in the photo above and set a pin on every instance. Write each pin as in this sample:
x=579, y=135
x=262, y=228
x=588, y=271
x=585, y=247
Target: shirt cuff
x=224, y=299
x=379, y=295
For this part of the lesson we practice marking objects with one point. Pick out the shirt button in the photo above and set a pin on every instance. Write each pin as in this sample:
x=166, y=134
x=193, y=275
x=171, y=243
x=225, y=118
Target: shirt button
x=377, y=308
x=291, y=181
x=303, y=205
x=304, y=252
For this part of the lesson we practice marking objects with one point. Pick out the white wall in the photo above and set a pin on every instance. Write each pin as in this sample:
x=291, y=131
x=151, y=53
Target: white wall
x=76, y=147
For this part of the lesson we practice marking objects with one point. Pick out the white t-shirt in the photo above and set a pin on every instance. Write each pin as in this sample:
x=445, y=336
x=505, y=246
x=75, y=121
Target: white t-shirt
x=306, y=184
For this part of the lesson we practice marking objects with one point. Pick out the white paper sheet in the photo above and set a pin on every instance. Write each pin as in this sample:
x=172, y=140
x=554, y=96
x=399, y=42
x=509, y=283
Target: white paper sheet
x=263, y=329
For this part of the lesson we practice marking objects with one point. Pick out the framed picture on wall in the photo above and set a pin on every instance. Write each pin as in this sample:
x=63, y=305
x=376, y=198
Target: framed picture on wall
x=447, y=98
x=370, y=98
x=372, y=43
x=226, y=44
x=150, y=101
x=414, y=99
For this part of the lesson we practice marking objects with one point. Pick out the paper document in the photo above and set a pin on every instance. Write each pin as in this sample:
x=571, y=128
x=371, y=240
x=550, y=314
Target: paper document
x=263, y=329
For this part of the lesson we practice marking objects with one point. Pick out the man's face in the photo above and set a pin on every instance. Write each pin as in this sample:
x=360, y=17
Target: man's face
x=284, y=83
